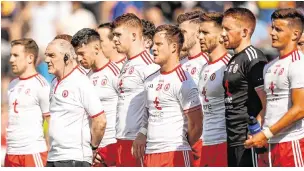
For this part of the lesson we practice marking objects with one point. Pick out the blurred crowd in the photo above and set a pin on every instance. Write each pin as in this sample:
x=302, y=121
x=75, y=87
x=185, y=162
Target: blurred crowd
x=42, y=21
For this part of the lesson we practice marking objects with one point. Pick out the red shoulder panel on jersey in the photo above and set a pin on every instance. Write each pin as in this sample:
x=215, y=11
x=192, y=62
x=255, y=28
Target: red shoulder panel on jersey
x=226, y=59
x=114, y=69
x=295, y=56
x=181, y=74
x=145, y=58
x=192, y=109
x=42, y=82
x=205, y=56
x=94, y=116
x=147, y=55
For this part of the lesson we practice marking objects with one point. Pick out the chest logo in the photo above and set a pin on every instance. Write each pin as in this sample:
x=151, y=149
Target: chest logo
x=167, y=86
x=131, y=70
x=271, y=88
x=193, y=71
x=235, y=68
x=104, y=82
x=65, y=93
x=212, y=77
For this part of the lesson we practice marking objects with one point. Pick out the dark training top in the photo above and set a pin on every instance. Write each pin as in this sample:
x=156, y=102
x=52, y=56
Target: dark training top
x=243, y=74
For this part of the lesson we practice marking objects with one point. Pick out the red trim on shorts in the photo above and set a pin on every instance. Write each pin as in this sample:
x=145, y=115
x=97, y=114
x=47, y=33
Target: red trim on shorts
x=221, y=58
x=192, y=109
x=137, y=55
x=28, y=77
x=94, y=116
x=284, y=56
x=99, y=69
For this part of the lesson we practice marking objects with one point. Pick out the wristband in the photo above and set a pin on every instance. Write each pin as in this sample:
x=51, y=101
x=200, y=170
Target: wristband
x=268, y=134
x=143, y=131
x=93, y=147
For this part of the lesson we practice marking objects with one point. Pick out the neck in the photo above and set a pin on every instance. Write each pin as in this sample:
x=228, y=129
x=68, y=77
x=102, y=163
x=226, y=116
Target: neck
x=66, y=70
x=244, y=43
x=217, y=53
x=135, y=49
x=287, y=49
x=170, y=64
x=115, y=56
x=100, y=61
x=196, y=49
x=28, y=72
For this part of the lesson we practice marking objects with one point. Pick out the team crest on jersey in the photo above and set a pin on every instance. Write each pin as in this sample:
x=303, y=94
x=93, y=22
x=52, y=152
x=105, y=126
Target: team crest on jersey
x=235, y=68
x=131, y=70
x=212, y=77
x=65, y=93
x=27, y=91
x=104, y=82
x=193, y=70
x=167, y=86
x=281, y=71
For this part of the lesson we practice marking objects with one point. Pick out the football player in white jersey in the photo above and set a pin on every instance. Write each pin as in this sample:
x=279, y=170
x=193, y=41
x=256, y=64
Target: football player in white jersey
x=104, y=76
x=284, y=85
x=174, y=121
x=108, y=46
x=128, y=38
x=28, y=98
x=196, y=59
x=77, y=122
x=301, y=43
x=214, y=152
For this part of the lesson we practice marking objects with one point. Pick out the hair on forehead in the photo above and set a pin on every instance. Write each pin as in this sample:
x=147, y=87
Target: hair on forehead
x=192, y=17
x=66, y=37
x=128, y=20
x=216, y=17
x=172, y=33
x=85, y=36
x=295, y=17
x=29, y=45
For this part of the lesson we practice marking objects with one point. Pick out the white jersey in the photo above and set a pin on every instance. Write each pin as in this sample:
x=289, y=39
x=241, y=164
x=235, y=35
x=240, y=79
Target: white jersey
x=170, y=96
x=194, y=65
x=83, y=70
x=121, y=62
x=212, y=98
x=131, y=98
x=105, y=81
x=280, y=76
x=73, y=100
x=28, y=101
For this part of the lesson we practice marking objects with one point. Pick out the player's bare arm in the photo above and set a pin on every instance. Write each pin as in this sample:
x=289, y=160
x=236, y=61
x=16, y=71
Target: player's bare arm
x=98, y=129
x=195, y=124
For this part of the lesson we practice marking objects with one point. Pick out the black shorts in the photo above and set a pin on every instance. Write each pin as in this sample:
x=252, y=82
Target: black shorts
x=239, y=156
x=68, y=163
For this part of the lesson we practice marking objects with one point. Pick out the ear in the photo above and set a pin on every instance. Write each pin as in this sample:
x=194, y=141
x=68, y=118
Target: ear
x=30, y=58
x=245, y=32
x=133, y=37
x=173, y=47
x=296, y=35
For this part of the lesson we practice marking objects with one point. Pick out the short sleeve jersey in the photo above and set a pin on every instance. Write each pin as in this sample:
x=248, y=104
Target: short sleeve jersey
x=131, y=98
x=105, y=81
x=194, y=65
x=242, y=76
x=73, y=100
x=281, y=76
x=121, y=62
x=28, y=101
x=170, y=96
x=212, y=99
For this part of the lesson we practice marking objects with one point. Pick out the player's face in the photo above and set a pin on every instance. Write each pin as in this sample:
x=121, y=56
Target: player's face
x=209, y=36
x=85, y=55
x=231, y=34
x=18, y=59
x=189, y=31
x=301, y=43
x=107, y=45
x=280, y=34
x=122, y=39
x=161, y=49
x=54, y=59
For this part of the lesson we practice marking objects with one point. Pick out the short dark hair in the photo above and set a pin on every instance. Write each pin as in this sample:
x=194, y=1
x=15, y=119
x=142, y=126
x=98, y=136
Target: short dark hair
x=193, y=17
x=173, y=34
x=66, y=37
x=107, y=26
x=216, y=17
x=243, y=15
x=292, y=14
x=84, y=36
x=148, y=28
x=30, y=46
x=129, y=19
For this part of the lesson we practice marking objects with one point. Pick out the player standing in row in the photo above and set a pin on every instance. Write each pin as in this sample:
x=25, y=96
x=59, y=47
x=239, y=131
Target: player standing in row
x=28, y=99
x=128, y=33
x=174, y=120
x=148, y=33
x=214, y=151
x=73, y=104
x=284, y=85
x=108, y=46
x=243, y=81
x=104, y=76
x=189, y=24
